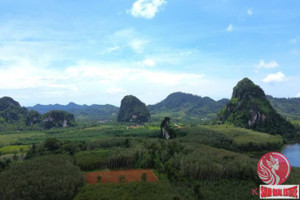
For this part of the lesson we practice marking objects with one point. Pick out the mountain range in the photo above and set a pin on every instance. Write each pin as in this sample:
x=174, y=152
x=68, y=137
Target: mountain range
x=82, y=112
x=178, y=105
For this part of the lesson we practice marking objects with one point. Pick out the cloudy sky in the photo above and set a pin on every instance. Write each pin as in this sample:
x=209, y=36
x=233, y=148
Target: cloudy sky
x=96, y=52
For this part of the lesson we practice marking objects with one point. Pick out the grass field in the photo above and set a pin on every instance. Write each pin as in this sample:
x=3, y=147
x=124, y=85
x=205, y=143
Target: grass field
x=74, y=134
x=14, y=149
x=232, y=138
x=21, y=138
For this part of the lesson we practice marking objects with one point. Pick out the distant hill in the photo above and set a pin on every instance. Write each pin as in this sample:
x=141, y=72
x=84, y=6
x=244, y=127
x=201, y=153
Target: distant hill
x=181, y=105
x=249, y=108
x=15, y=117
x=133, y=110
x=288, y=107
x=188, y=106
x=11, y=111
x=178, y=105
x=57, y=119
x=82, y=112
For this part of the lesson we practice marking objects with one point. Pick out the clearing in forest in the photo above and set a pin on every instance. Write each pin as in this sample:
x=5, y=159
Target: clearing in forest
x=117, y=176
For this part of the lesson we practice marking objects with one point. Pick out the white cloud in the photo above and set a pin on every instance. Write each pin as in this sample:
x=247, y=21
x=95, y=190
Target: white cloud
x=115, y=90
x=249, y=11
x=149, y=63
x=114, y=48
x=33, y=77
x=87, y=81
x=126, y=38
x=117, y=72
x=138, y=45
x=267, y=65
x=298, y=95
x=277, y=77
x=146, y=8
x=229, y=28
x=109, y=50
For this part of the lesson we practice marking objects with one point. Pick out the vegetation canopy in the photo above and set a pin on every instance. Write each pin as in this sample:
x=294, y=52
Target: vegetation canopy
x=43, y=178
x=249, y=108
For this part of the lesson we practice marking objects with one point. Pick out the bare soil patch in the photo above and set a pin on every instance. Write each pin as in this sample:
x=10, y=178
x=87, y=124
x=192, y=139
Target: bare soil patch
x=114, y=176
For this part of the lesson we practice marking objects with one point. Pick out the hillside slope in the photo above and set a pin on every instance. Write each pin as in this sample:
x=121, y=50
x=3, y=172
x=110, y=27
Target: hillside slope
x=288, y=107
x=185, y=106
x=249, y=108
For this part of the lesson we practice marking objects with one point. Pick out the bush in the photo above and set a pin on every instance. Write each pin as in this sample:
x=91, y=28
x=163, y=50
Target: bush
x=91, y=160
x=52, y=144
x=43, y=178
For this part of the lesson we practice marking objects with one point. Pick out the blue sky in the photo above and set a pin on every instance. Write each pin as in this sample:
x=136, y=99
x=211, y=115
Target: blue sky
x=96, y=52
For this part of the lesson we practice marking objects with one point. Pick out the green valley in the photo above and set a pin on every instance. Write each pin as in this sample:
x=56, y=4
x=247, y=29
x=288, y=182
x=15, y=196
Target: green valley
x=215, y=158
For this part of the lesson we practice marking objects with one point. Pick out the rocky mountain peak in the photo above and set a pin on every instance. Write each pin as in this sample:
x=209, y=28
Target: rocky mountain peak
x=249, y=108
x=133, y=110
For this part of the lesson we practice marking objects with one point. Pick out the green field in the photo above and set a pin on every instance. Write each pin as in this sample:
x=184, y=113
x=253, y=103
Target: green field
x=14, y=149
x=232, y=138
x=200, y=160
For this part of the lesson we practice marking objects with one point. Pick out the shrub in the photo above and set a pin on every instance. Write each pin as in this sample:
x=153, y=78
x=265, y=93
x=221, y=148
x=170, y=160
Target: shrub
x=52, y=144
x=43, y=178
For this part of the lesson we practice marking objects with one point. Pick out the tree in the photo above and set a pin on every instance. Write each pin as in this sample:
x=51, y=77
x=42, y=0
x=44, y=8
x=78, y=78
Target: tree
x=52, y=144
x=42, y=178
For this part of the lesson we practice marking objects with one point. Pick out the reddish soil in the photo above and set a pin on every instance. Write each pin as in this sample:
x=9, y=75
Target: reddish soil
x=113, y=176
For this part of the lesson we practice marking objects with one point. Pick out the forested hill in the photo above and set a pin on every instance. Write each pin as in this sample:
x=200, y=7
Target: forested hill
x=15, y=117
x=288, y=107
x=178, y=102
x=188, y=103
x=82, y=112
x=193, y=105
x=133, y=110
x=249, y=108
